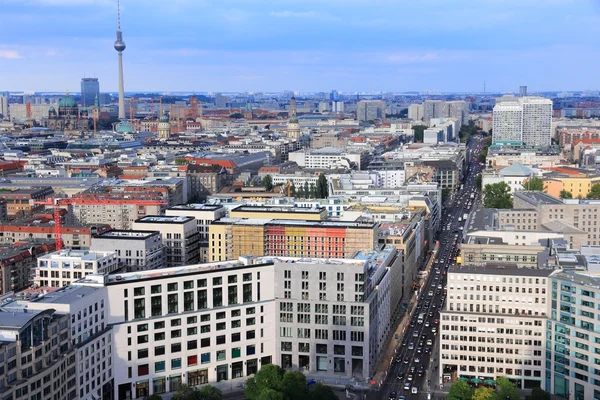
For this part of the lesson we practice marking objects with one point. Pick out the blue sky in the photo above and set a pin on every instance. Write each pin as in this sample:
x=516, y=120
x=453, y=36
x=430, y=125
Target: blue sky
x=308, y=45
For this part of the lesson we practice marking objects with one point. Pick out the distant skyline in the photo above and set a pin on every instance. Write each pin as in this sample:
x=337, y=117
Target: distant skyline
x=308, y=45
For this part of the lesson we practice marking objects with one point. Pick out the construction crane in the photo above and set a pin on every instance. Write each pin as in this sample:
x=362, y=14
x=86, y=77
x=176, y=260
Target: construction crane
x=57, y=203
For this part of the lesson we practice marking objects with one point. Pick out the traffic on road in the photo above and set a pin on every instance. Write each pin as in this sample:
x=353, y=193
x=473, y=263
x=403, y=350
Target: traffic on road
x=414, y=372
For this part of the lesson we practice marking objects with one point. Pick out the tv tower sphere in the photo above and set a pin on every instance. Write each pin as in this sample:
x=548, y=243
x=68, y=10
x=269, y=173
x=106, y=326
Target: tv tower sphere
x=119, y=43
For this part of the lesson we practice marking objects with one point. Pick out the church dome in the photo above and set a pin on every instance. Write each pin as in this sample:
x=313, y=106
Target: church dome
x=124, y=127
x=67, y=102
x=164, y=118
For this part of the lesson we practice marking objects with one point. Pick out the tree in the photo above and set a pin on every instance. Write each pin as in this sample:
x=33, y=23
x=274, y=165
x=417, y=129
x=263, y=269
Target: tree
x=460, y=391
x=482, y=156
x=306, y=190
x=419, y=132
x=538, y=394
x=181, y=161
x=483, y=393
x=594, y=192
x=322, y=188
x=154, y=397
x=507, y=390
x=267, y=182
x=236, y=115
x=293, y=189
x=295, y=385
x=534, y=184
x=273, y=383
x=478, y=181
x=445, y=193
x=565, y=194
x=497, y=195
x=206, y=392
x=267, y=378
x=320, y=391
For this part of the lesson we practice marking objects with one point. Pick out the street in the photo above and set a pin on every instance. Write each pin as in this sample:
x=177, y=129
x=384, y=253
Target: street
x=413, y=375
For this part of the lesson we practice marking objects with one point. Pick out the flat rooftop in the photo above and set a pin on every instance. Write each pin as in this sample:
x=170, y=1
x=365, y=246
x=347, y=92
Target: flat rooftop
x=538, y=198
x=66, y=295
x=500, y=270
x=196, y=207
x=165, y=219
x=85, y=255
x=122, y=234
x=291, y=222
x=273, y=209
x=482, y=220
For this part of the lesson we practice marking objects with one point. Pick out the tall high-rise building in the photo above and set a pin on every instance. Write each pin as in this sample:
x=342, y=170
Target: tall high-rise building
x=433, y=109
x=220, y=100
x=120, y=47
x=458, y=109
x=4, y=106
x=415, y=112
x=522, y=91
x=370, y=110
x=523, y=121
x=90, y=89
x=337, y=106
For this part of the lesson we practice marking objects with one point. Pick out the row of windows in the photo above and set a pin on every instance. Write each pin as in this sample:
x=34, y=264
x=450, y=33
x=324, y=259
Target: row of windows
x=321, y=334
x=200, y=283
x=191, y=344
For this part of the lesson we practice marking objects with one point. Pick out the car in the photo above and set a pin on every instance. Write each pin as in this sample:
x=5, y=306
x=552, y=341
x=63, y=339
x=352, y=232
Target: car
x=433, y=305
x=409, y=377
x=417, y=359
x=416, y=333
x=427, y=350
x=401, y=375
x=398, y=359
x=392, y=395
x=402, y=398
x=420, y=371
x=421, y=343
x=430, y=294
x=414, y=390
x=436, y=321
x=430, y=314
x=406, y=360
x=419, y=350
x=434, y=330
x=404, y=343
x=429, y=342
x=411, y=346
x=406, y=386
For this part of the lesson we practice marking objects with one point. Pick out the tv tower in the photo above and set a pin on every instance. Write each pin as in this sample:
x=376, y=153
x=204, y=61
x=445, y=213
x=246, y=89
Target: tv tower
x=119, y=47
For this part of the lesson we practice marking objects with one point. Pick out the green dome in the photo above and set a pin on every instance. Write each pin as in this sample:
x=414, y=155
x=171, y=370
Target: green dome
x=67, y=102
x=124, y=127
x=51, y=109
x=164, y=118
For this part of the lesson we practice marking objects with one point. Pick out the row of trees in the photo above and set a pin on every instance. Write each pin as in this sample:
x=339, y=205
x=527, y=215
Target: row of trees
x=318, y=191
x=269, y=383
x=505, y=390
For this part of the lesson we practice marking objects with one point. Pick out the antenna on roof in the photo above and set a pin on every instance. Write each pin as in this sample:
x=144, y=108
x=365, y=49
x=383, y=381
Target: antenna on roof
x=118, y=15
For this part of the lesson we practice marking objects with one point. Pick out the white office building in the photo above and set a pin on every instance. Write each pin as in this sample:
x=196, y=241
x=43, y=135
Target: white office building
x=136, y=250
x=328, y=158
x=218, y=323
x=493, y=324
x=522, y=121
x=63, y=267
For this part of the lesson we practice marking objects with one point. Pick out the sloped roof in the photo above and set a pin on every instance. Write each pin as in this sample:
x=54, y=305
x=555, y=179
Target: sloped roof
x=516, y=169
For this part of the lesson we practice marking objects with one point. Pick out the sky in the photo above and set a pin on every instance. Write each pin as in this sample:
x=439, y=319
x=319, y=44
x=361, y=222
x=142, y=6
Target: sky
x=305, y=46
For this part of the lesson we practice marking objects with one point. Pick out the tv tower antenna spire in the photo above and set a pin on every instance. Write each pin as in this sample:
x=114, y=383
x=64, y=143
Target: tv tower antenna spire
x=119, y=47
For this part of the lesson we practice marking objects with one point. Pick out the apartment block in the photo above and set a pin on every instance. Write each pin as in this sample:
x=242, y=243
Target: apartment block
x=523, y=121
x=370, y=110
x=20, y=202
x=116, y=213
x=74, y=236
x=204, y=214
x=493, y=324
x=231, y=238
x=218, y=323
x=179, y=234
x=64, y=267
x=136, y=250
x=18, y=263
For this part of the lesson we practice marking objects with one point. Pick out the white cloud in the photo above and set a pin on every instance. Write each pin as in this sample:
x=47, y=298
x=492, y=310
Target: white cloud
x=10, y=54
